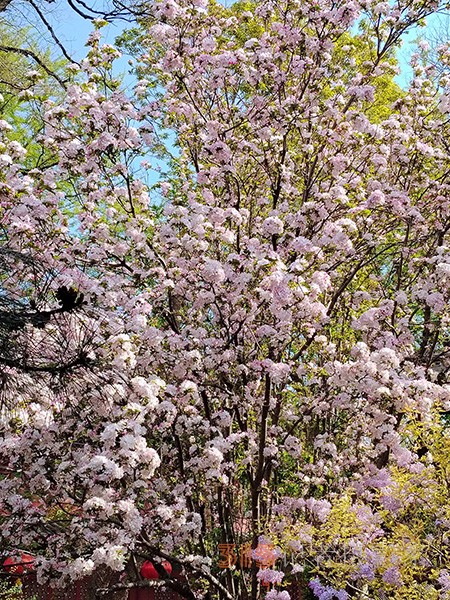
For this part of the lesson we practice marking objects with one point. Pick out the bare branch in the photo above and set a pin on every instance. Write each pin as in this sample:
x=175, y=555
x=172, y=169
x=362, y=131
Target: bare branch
x=170, y=583
x=35, y=57
x=51, y=31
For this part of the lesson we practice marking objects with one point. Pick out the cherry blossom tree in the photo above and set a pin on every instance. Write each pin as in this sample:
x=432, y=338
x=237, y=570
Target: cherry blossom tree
x=255, y=350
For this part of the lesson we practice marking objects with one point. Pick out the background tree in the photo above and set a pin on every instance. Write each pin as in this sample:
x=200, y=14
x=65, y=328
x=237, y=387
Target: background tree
x=27, y=78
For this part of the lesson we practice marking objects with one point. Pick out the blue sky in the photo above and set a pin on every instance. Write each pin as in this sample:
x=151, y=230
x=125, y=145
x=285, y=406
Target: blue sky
x=70, y=28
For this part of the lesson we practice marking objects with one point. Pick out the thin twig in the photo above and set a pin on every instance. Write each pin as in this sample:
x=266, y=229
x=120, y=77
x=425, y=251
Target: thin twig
x=52, y=32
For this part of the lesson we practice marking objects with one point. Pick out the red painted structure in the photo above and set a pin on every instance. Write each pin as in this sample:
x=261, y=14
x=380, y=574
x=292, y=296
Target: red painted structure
x=80, y=590
x=148, y=570
x=18, y=564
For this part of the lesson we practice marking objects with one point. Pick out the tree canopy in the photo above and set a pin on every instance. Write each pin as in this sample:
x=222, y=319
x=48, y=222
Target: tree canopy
x=251, y=355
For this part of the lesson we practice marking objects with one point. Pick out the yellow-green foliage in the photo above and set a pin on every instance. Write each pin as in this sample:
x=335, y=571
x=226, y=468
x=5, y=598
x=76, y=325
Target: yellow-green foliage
x=404, y=524
x=356, y=54
x=250, y=27
x=20, y=108
x=13, y=591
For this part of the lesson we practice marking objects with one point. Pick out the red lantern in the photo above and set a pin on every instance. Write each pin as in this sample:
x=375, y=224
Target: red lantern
x=167, y=567
x=148, y=570
x=18, y=563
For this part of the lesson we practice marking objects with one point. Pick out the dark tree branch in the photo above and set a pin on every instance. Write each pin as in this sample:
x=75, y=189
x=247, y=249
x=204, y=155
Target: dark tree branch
x=35, y=57
x=187, y=564
x=170, y=583
x=79, y=361
x=51, y=31
x=80, y=12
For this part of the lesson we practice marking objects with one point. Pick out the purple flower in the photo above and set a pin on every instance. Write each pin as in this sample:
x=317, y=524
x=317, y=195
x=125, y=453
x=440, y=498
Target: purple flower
x=270, y=576
x=366, y=571
x=275, y=595
x=392, y=576
x=444, y=580
x=390, y=503
x=326, y=592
